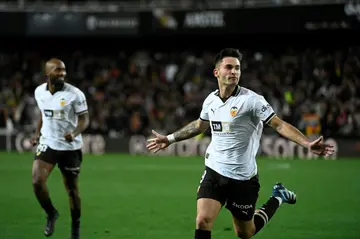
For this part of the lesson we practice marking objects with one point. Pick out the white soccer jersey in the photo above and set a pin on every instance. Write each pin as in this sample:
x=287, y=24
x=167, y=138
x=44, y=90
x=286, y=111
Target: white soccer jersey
x=59, y=115
x=236, y=127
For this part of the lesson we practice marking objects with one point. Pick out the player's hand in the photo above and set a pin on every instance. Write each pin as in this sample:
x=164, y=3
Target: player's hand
x=318, y=147
x=69, y=137
x=157, y=143
x=34, y=140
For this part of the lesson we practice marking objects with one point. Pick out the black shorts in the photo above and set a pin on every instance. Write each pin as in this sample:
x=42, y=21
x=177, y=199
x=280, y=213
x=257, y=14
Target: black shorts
x=239, y=196
x=68, y=161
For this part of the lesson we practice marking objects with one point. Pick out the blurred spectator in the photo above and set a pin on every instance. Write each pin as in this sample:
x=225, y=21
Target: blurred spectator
x=316, y=90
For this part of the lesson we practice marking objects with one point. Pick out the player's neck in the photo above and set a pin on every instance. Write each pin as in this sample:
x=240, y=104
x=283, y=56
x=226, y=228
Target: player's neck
x=53, y=88
x=226, y=91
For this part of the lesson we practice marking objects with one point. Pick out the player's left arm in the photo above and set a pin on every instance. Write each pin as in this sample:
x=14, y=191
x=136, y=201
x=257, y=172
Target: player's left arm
x=263, y=110
x=83, y=123
x=288, y=131
x=81, y=109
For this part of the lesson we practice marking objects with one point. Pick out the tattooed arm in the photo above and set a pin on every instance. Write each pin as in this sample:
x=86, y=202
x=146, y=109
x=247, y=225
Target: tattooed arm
x=161, y=141
x=190, y=130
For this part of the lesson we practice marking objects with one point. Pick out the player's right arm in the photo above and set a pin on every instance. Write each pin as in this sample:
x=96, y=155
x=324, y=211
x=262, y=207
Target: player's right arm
x=190, y=130
x=36, y=136
x=39, y=125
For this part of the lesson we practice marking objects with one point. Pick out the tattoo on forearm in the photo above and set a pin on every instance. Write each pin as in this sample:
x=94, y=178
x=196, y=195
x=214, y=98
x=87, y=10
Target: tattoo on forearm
x=187, y=131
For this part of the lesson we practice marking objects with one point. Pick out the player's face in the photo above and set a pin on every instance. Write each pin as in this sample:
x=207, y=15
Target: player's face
x=56, y=73
x=228, y=71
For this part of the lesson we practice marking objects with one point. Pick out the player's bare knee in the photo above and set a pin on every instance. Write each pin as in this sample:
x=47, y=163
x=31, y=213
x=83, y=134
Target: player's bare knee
x=238, y=232
x=37, y=184
x=245, y=234
x=73, y=192
x=204, y=222
x=244, y=231
x=38, y=180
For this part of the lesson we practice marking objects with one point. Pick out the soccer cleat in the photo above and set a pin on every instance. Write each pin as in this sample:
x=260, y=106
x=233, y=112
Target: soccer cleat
x=50, y=224
x=287, y=196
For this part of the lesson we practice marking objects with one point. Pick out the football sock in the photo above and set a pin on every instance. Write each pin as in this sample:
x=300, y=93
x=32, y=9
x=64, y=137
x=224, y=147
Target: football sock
x=265, y=213
x=75, y=217
x=75, y=208
x=202, y=234
x=43, y=197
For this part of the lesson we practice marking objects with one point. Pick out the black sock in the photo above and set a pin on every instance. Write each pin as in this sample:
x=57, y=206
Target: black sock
x=202, y=234
x=265, y=213
x=75, y=217
x=48, y=207
x=43, y=198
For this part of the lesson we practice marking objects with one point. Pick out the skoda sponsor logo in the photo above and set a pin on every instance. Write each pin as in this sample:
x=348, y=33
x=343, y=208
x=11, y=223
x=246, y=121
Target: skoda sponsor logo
x=241, y=206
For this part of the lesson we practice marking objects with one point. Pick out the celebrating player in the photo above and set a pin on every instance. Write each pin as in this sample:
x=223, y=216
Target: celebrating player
x=236, y=116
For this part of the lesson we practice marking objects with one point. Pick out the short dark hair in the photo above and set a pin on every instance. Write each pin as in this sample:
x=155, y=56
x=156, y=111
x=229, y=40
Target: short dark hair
x=228, y=52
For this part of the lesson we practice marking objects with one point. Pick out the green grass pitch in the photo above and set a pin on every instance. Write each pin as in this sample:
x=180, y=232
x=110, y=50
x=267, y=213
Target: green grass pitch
x=151, y=197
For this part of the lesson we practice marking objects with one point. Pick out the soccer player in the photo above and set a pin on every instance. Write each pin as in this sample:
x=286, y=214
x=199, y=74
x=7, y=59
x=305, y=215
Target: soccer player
x=63, y=117
x=236, y=116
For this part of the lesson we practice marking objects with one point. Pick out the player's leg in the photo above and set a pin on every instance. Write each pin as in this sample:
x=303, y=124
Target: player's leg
x=241, y=203
x=45, y=160
x=70, y=169
x=211, y=197
x=246, y=227
x=280, y=195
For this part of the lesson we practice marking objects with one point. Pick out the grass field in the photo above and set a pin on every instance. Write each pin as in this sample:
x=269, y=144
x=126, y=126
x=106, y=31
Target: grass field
x=154, y=198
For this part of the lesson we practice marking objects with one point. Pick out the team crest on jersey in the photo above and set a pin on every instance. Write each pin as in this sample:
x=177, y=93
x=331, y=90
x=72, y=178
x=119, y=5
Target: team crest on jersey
x=233, y=111
x=62, y=102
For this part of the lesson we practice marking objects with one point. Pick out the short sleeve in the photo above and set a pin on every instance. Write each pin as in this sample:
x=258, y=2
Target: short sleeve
x=261, y=109
x=80, y=104
x=204, y=114
x=36, y=97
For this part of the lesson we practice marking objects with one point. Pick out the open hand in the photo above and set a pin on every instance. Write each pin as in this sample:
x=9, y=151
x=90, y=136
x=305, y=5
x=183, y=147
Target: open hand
x=157, y=143
x=319, y=148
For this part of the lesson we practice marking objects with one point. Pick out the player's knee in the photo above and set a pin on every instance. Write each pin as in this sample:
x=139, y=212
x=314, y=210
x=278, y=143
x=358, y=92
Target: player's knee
x=245, y=234
x=204, y=222
x=73, y=193
x=38, y=181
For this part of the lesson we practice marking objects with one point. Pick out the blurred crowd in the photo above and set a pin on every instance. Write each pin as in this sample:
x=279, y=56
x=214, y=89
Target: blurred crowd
x=315, y=90
x=121, y=5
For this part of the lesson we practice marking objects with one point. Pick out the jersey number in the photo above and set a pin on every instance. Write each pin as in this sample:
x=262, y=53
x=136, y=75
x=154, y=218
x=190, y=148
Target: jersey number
x=41, y=148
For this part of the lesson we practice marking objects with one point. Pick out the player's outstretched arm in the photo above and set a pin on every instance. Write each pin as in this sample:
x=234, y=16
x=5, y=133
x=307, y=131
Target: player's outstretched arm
x=287, y=130
x=192, y=129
